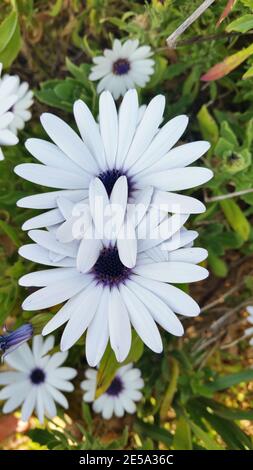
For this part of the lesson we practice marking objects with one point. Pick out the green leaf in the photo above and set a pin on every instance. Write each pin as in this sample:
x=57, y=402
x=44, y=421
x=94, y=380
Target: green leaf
x=208, y=126
x=154, y=432
x=223, y=382
x=217, y=265
x=207, y=440
x=236, y=218
x=42, y=436
x=11, y=49
x=232, y=414
x=242, y=24
x=7, y=29
x=182, y=438
x=109, y=365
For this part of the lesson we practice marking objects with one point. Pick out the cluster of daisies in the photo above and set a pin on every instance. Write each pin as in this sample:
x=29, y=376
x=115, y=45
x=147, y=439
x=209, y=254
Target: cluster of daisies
x=110, y=273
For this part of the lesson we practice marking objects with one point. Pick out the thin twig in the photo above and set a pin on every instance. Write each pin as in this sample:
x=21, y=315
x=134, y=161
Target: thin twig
x=222, y=298
x=229, y=195
x=172, y=39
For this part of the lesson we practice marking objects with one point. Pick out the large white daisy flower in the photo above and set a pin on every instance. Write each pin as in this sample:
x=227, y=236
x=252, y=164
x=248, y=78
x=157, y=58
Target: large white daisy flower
x=123, y=67
x=120, y=396
x=36, y=380
x=7, y=100
x=110, y=297
x=122, y=145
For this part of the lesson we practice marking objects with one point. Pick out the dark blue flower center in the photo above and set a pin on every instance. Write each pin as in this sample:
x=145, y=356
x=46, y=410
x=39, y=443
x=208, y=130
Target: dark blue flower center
x=121, y=67
x=37, y=376
x=108, y=269
x=109, y=178
x=116, y=387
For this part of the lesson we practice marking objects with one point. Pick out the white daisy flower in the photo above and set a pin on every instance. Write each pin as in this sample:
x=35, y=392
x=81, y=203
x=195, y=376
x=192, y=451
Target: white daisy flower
x=249, y=331
x=123, y=67
x=122, y=145
x=110, y=297
x=36, y=380
x=7, y=100
x=22, y=104
x=121, y=395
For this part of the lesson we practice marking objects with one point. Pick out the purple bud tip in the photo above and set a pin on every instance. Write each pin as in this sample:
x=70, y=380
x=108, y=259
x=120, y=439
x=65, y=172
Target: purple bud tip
x=13, y=339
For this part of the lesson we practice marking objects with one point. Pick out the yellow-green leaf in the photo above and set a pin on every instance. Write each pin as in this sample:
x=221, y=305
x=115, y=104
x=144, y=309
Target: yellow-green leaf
x=208, y=126
x=236, y=218
x=182, y=438
x=109, y=365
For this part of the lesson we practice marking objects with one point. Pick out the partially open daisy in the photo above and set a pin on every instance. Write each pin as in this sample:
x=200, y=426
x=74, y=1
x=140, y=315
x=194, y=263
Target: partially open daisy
x=7, y=100
x=121, y=395
x=122, y=145
x=36, y=380
x=109, y=297
x=123, y=67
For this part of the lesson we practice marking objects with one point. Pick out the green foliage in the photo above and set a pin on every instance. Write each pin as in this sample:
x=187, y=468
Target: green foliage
x=208, y=77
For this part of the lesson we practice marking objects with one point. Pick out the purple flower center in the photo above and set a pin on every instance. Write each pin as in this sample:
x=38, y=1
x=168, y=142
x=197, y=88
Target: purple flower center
x=108, y=269
x=109, y=178
x=37, y=376
x=121, y=67
x=116, y=387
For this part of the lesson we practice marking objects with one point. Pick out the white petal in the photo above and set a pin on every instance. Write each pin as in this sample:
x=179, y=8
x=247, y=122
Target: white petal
x=29, y=404
x=188, y=255
x=119, y=326
x=52, y=156
x=128, y=117
x=141, y=320
x=178, y=300
x=89, y=131
x=176, y=203
x=98, y=332
x=40, y=255
x=53, y=294
x=82, y=317
x=146, y=130
x=108, y=121
x=57, y=396
x=186, y=154
x=47, y=240
x=63, y=315
x=88, y=254
x=127, y=245
x=177, y=179
x=52, y=217
x=69, y=142
x=50, y=177
x=167, y=136
x=172, y=272
x=49, y=200
x=160, y=312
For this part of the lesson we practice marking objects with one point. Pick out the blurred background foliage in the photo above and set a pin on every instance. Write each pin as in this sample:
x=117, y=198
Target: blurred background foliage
x=199, y=393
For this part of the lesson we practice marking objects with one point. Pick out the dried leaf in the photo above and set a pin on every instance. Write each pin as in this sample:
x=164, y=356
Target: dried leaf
x=225, y=12
x=227, y=65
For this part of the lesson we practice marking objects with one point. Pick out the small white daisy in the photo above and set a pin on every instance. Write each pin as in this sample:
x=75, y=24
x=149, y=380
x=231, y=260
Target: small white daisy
x=121, y=395
x=24, y=101
x=7, y=100
x=123, y=67
x=36, y=380
x=249, y=331
x=122, y=145
x=109, y=297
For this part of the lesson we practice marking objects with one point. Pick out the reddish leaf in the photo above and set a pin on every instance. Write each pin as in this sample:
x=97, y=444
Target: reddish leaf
x=225, y=12
x=227, y=65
